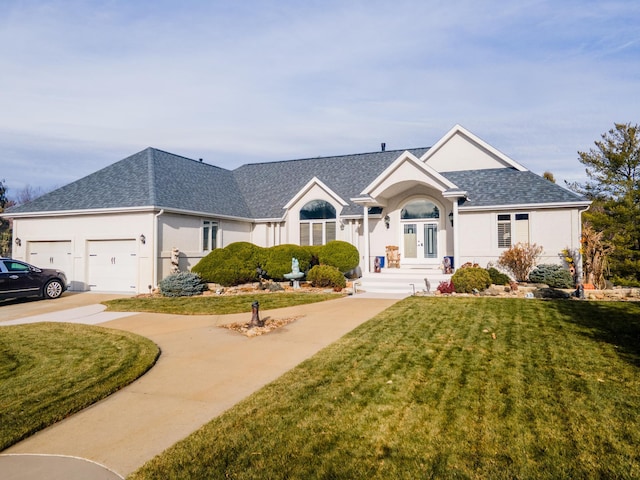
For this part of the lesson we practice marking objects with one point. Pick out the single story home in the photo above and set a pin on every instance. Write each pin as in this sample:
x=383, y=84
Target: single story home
x=461, y=200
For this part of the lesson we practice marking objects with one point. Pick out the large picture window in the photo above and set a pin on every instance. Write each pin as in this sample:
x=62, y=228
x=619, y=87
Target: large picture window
x=209, y=235
x=317, y=223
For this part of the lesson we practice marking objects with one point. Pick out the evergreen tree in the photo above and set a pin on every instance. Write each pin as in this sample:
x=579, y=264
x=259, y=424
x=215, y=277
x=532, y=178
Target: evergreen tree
x=613, y=170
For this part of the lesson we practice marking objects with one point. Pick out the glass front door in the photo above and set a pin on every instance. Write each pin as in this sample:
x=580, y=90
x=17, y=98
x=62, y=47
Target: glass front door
x=420, y=242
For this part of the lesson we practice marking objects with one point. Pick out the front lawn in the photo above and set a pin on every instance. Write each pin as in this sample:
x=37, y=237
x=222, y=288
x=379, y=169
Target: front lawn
x=51, y=370
x=442, y=388
x=215, y=305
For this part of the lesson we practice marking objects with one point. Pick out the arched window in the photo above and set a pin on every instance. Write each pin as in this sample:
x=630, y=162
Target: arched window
x=419, y=209
x=317, y=223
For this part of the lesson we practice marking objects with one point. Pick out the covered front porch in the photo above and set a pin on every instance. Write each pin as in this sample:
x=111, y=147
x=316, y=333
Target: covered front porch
x=413, y=210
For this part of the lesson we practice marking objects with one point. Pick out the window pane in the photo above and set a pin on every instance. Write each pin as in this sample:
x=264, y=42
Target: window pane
x=330, y=231
x=504, y=235
x=304, y=234
x=214, y=235
x=430, y=240
x=420, y=209
x=504, y=217
x=205, y=236
x=522, y=228
x=317, y=233
x=317, y=210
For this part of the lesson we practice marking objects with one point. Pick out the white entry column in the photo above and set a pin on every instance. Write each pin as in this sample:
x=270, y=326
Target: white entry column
x=365, y=234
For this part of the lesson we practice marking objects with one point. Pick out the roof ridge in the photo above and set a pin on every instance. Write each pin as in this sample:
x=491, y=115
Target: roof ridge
x=152, y=174
x=199, y=161
x=334, y=156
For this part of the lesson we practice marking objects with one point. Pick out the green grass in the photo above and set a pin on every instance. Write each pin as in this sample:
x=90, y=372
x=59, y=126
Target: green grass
x=51, y=370
x=215, y=305
x=424, y=391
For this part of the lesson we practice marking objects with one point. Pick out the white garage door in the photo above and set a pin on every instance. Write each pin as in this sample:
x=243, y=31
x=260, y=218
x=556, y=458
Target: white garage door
x=51, y=255
x=113, y=265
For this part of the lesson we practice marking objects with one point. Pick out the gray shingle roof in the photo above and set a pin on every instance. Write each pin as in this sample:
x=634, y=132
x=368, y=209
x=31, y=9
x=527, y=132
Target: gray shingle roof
x=267, y=187
x=149, y=178
x=507, y=186
x=154, y=178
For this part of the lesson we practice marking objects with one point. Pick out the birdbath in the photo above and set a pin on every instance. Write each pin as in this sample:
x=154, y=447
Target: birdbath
x=295, y=273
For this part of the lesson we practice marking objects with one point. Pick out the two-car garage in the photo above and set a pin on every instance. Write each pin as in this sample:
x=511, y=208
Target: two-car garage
x=110, y=266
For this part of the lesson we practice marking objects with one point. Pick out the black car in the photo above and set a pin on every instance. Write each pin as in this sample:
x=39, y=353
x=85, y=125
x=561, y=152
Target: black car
x=19, y=279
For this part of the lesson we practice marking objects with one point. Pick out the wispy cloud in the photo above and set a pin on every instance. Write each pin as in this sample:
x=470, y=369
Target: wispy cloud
x=88, y=83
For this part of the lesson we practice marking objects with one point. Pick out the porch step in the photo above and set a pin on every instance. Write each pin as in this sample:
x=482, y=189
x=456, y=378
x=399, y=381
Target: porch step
x=399, y=280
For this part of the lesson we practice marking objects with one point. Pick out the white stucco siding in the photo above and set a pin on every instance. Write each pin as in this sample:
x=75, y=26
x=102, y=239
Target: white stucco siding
x=477, y=236
x=552, y=229
x=37, y=233
x=230, y=232
x=185, y=232
x=461, y=153
x=555, y=231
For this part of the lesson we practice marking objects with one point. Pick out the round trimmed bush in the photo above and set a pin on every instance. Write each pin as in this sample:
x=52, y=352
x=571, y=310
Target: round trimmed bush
x=553, y=275
x=466, y=280
x=497, y=277
x=232, y=265
x=326, y=276
x=339, y=254
x=182, y=284
x=278, y=260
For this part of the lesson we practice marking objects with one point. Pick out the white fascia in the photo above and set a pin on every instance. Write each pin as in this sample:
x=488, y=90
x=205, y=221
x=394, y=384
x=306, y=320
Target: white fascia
x=408, y=156
x=527, y=206
x=460, y=129
x=106, y=211
x=66, y=213
x=310, y=184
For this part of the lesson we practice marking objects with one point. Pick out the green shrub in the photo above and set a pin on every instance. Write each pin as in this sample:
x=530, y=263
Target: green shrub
x=339, y=254
x=497, y=277
x=553, y=275
x=625, y=282
x=248, y=253
x=314, y=251
x=326, y=276
x=232, y=265
x=278, y=260
x=466, y=280
x=182, y=284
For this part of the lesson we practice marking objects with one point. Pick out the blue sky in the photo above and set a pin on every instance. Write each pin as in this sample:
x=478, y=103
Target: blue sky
x=86, y=83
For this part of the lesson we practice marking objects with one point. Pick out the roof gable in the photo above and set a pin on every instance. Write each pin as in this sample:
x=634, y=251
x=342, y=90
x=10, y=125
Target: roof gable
x=460, y=150
x=406, y=169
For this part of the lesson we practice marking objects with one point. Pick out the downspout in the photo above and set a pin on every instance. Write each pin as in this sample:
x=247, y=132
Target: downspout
x=156, y=241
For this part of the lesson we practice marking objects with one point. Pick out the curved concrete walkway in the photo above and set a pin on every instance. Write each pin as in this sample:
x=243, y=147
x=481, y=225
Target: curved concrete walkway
x=203, y=371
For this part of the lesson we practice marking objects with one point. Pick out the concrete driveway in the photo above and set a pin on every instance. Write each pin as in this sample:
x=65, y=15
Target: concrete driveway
x=203, y=370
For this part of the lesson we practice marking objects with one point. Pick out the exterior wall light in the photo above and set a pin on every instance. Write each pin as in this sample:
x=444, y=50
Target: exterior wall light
x=451, y=218
x=143, y=239
x=387, y=221
x=18, y=241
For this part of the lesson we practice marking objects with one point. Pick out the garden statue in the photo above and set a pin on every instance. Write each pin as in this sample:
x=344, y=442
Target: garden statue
x=295, y=274
x=175, y=260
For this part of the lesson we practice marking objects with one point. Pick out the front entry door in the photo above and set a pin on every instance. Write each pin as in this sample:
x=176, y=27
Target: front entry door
x=420, y=241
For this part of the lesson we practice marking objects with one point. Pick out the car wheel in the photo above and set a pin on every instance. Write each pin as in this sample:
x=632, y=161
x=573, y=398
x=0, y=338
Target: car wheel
x=53, y=289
